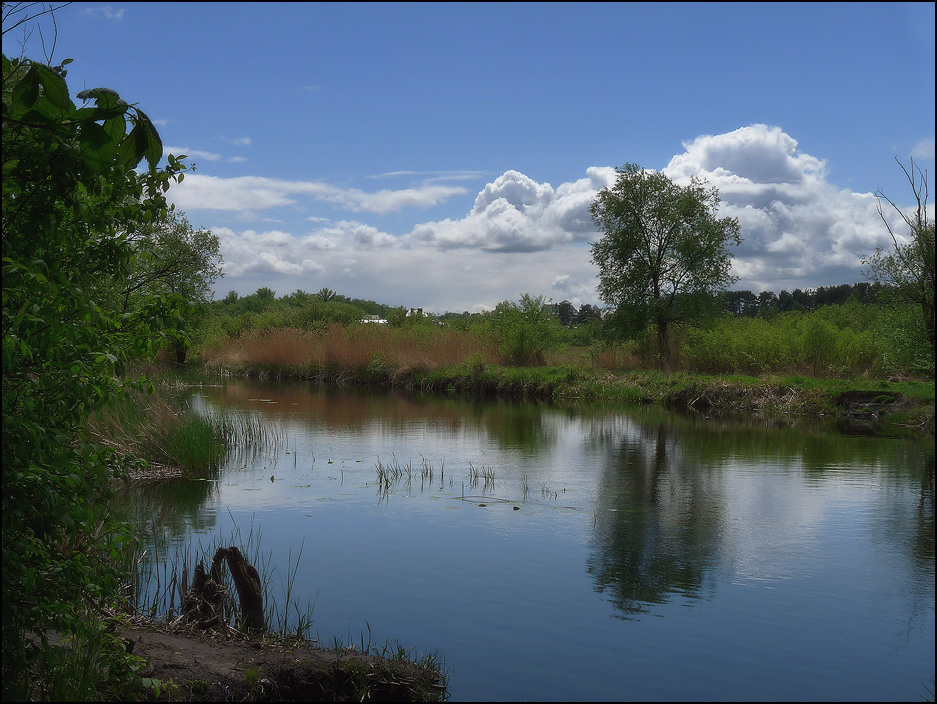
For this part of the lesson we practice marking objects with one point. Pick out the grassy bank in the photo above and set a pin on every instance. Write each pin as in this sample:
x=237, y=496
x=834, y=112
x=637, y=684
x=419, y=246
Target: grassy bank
x=441, y=361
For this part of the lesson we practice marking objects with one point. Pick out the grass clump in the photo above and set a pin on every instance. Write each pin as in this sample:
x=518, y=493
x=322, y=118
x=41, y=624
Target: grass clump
x=165, y=431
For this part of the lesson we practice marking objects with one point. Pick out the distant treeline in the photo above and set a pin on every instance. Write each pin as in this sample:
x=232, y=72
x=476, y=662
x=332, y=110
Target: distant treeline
x=328, y=306
x=262, y=298
x=766, y=303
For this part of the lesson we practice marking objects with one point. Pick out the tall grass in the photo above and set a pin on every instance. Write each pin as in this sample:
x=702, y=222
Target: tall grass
x=841, y=341
x=834, y=341
x=374, y=352
x=164, y=430
x=162, y=580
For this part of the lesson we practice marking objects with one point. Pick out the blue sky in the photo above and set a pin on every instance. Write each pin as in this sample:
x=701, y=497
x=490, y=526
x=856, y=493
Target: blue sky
x=445, y=155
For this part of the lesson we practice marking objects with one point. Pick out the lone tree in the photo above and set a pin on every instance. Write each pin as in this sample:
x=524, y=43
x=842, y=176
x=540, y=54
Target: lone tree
x=663, y=250
x=909, y=269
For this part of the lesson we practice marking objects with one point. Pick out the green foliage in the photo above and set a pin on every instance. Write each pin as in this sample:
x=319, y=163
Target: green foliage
x=526, y=330
x=71, y=198
x=909, y=268
x=238, y=315
x=819, y=341
x=853, y=339
x=663, y=250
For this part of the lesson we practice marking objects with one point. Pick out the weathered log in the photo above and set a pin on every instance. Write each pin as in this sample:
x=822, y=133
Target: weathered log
x=204, y=602
x=247, y=582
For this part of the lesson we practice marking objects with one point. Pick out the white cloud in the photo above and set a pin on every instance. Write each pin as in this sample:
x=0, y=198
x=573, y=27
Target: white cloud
x=272, y=252
x=361, y=261
x=192, y=153
x=798, y=230
x=524, y=236
x=433, y=175
x=514, y=213
x=924, y=149
x=107, y=11
x=199, y=191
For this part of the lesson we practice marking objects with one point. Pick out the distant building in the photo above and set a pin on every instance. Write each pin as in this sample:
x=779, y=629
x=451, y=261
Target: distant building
x=374, y=319
x=414, y=311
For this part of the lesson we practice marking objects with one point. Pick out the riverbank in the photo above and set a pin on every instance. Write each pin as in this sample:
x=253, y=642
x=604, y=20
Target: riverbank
x=225, y=665
x=890, y=406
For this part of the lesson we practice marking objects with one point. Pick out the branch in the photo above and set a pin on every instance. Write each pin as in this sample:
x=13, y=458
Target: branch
x=21, y=7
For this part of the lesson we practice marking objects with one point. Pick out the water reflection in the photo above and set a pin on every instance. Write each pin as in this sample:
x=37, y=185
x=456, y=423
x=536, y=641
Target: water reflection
x=822, y=540
x=168, y=510
x=657, y=521
x=679, y=503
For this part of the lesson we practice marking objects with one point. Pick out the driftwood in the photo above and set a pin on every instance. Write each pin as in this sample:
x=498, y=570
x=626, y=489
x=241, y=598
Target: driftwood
x=204, y=604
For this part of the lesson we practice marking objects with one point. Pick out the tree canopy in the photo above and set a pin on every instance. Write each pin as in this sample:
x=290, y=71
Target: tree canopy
x=662, y=251
x=72, y=194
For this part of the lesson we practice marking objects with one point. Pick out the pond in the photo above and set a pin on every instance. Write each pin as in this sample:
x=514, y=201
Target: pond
x=591, y=553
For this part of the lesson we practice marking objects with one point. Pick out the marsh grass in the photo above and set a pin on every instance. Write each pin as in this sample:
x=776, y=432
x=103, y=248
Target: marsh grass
x=393, y=473
x=377, y=682
x=162, y=580
x=484, y=474
x=366, y=353
x=164, y=430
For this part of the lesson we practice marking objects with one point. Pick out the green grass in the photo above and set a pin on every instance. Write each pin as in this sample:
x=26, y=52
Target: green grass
x=164, y=430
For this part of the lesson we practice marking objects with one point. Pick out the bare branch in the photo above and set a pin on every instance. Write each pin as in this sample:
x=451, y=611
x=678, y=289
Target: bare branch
x=24, y=7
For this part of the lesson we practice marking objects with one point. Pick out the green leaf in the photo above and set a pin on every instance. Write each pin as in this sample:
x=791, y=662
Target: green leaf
x=54, y=87
x=102, y=97
x=154, y=145
x=97, y=148
x=116, y=127
x=26, y=92
x=131, y=151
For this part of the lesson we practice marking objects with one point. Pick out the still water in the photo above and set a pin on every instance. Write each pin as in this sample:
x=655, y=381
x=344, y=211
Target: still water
x=603, y=554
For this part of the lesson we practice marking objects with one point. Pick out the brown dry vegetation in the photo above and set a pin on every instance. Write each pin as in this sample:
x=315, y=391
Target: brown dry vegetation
x=350, y=347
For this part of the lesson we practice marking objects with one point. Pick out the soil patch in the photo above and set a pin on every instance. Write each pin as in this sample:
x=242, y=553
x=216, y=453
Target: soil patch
x=225, y=665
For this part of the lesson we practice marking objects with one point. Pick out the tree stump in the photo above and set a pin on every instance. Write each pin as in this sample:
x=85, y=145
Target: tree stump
x=248, y=585
x=204, y=603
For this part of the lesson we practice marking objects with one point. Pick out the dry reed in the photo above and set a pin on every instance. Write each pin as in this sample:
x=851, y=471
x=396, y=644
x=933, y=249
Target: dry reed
x=352, y=347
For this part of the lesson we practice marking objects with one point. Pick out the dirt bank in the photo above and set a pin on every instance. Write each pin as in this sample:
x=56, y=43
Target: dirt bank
x=227, y=666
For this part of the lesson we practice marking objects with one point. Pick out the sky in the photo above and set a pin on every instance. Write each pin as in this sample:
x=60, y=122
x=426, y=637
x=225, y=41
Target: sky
x=444, y=156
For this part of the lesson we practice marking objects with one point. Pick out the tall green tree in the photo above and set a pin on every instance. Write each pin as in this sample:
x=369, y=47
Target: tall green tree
x=909, y=266
x=663, y=251
x=72, y=193
x=173, y=259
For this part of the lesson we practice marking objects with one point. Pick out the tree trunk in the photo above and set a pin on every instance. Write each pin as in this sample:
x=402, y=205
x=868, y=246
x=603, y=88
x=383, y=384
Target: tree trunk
x=204, y=604
x=247, y=581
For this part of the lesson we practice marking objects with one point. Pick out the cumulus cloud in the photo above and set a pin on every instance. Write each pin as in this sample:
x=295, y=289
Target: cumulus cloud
x=798, y=229
x=525, y=236
x=515, y=213
x=271, y=252
x=362, y=261
x=199, y=191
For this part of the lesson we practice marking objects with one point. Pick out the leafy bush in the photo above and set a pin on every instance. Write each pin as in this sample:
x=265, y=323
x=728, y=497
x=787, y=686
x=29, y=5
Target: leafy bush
x=71, y=192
